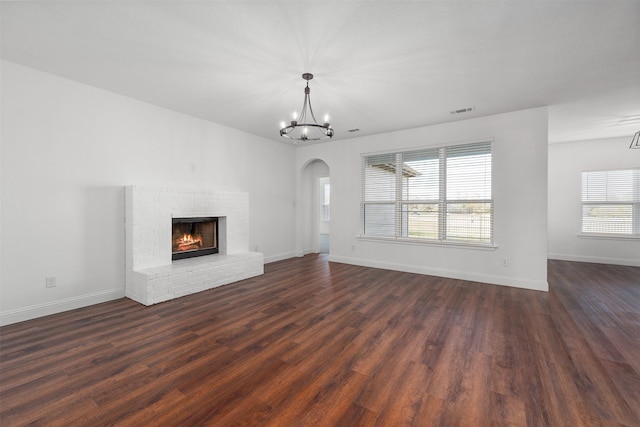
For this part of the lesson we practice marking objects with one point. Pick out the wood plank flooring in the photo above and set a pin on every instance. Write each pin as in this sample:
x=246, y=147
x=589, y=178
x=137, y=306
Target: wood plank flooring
x=312, y=343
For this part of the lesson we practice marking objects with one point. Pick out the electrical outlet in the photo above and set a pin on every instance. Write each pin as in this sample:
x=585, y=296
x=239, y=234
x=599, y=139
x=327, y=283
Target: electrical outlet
x=50, y=282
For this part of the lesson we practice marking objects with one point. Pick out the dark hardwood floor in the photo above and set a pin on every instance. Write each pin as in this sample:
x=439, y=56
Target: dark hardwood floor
x=313, y=343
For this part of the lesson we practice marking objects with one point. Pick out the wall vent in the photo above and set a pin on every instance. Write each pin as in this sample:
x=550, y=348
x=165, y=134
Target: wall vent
x=462, y=110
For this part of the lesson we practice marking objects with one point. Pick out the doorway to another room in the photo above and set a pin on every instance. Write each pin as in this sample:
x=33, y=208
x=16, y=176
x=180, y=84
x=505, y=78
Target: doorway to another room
x=315, y=208
x=325, y=214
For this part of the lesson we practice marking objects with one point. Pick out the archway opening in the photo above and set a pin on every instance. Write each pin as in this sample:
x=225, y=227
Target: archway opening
x=316, y=207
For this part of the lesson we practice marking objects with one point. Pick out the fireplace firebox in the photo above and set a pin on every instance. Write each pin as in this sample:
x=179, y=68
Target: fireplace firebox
x=193, y=237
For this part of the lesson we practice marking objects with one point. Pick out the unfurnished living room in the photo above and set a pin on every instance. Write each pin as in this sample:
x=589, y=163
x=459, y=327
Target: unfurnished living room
x=320, y=213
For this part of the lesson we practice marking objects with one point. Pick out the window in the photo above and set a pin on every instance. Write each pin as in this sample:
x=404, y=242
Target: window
x=436, y=194
x=611, y=202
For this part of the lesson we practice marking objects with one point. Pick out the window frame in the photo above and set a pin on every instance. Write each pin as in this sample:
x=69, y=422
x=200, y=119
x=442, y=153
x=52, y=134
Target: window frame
x=442, y=202
x=634, y=204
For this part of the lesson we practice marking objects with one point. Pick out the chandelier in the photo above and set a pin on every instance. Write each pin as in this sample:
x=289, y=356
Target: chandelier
x=303, y=128
x=635, y=141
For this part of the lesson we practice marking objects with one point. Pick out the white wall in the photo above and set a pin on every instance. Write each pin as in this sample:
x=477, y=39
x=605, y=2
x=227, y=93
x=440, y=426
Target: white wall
x=566, y=162
x=69, y=149
x=520, y=197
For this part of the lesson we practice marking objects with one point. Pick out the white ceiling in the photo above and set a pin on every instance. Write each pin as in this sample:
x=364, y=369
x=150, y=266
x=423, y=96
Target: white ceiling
x=379, y=65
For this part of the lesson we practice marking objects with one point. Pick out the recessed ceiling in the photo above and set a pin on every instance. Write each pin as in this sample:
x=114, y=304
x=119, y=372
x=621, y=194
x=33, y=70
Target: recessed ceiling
x=379, y=66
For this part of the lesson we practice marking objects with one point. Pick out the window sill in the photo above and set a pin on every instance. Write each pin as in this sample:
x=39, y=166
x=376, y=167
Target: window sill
x=609, y=236
x=421, y=242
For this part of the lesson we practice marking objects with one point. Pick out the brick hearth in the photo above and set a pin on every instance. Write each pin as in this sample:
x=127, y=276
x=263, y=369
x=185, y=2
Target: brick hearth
x=151, y=275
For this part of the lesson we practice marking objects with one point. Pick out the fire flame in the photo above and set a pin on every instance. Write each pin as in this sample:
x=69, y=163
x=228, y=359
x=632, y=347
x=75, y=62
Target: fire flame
x=189, y=242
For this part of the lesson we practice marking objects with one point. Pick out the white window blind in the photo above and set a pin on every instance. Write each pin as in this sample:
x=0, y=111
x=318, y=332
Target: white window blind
x=611, y=202
x=435, y=194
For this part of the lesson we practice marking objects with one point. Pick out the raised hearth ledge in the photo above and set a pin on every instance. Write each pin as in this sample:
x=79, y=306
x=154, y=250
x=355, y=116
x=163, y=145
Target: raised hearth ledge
x=188, y=276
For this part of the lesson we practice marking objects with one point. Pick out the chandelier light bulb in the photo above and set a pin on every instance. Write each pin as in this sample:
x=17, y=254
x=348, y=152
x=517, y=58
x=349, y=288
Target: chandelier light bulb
x=295, y=115
x=282, y=124
x=326, y=118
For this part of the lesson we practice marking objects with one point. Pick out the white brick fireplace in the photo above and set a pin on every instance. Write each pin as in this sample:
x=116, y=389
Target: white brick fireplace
x=152, y=276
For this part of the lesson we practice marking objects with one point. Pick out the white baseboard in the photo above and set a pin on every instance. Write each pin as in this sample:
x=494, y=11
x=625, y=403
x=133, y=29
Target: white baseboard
x=279, y=257
x=35, y=311
x=597, y=260
x=453, y=274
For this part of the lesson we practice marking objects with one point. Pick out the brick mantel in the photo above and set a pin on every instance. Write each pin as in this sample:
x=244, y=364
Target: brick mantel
x=151, y=274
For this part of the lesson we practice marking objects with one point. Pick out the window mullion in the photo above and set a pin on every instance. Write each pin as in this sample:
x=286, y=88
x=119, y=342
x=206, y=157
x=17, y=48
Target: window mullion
x=398, y=219
x=635, y=209
x=363, y=182
x=442, y=192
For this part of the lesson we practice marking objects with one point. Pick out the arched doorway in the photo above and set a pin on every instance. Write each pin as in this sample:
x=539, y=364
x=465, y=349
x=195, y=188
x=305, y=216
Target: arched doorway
x=315, y=207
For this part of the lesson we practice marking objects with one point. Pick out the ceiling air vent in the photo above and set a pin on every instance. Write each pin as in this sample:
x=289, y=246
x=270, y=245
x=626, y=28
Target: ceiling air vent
x=462, y=110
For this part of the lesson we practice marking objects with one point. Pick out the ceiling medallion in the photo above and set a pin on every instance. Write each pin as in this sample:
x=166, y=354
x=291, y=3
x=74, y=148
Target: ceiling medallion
x=302, y=129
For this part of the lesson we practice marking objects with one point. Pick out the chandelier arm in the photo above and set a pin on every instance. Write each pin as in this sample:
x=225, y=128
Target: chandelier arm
x=311, y=111
x=635, y=141
x=303, y=113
